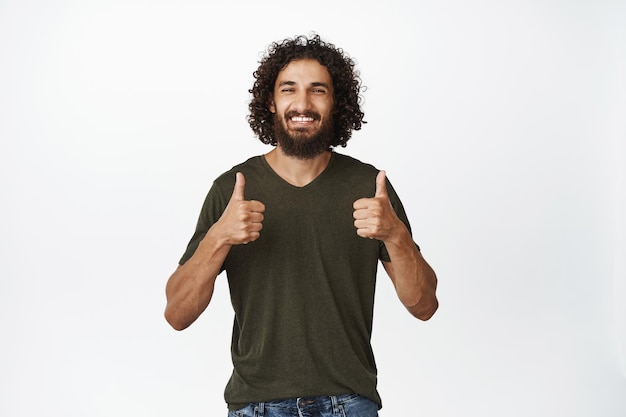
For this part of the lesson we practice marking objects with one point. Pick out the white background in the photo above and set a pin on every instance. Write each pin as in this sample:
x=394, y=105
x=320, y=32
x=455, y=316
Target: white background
x=501, y=124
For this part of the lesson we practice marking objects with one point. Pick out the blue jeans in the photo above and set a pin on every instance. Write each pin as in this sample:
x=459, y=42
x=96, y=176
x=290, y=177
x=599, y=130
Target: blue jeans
x=350, y=405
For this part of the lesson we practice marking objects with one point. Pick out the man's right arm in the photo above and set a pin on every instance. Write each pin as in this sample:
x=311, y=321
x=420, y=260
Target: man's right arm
x=190, y=288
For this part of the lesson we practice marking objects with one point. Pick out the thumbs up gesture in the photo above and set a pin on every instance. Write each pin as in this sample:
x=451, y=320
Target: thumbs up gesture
x=374, y=218
x=242, y=220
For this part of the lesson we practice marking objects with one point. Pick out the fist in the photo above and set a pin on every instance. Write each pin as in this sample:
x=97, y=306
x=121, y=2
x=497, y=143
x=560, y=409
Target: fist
x=375, y=218
x=242, y=220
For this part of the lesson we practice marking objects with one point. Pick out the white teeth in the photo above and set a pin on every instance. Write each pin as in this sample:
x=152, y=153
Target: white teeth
x=301, y=119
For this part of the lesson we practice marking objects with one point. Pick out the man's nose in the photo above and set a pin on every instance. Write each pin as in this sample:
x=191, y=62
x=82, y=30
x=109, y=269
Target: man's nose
x=301, y=102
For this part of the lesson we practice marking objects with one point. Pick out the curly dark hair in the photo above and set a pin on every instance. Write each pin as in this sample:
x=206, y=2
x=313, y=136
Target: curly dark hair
x=347, y=114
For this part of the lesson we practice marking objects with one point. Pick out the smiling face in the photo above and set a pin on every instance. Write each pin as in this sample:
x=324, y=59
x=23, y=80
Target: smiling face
x=303, y=104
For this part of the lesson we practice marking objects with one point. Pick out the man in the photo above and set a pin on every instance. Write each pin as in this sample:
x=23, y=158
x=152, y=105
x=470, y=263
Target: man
x=299, y=232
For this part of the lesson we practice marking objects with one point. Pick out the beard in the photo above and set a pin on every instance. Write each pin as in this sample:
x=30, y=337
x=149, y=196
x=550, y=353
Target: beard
x=302, y=144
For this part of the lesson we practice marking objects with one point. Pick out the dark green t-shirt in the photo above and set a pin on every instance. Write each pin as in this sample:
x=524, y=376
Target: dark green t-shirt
x=303, y=293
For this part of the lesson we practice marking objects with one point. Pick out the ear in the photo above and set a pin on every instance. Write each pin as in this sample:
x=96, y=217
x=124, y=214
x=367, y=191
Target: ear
x=272, y=106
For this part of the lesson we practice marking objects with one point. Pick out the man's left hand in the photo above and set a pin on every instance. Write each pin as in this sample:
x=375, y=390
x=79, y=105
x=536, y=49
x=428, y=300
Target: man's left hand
x=374, y=218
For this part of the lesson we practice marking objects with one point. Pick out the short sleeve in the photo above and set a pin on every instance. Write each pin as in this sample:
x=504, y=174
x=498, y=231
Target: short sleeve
x=399, y=209
x=212, y=208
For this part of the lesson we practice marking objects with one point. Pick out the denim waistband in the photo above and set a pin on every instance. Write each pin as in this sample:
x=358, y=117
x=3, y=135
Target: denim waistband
x=312, y=402
x=331, y=402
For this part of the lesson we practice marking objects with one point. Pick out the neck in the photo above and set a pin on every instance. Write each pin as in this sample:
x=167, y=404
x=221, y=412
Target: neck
x=297, y=172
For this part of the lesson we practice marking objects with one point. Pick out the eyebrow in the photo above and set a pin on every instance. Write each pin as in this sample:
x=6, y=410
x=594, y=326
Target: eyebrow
x=313, y=84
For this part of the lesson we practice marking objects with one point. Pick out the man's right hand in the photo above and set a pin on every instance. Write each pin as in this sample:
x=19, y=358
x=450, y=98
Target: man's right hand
x=242, y=220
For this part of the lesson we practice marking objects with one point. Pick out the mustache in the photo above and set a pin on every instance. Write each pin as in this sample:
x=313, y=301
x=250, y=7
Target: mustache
x=311, y=114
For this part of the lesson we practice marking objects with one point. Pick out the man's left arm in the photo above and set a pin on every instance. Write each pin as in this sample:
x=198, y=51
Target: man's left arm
x=413, y=278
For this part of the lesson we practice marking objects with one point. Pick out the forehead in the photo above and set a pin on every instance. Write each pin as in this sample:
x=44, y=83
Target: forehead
x=305, y=71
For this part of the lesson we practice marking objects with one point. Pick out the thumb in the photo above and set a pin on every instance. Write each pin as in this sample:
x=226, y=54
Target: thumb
x=240, y=183
x=381, y=185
